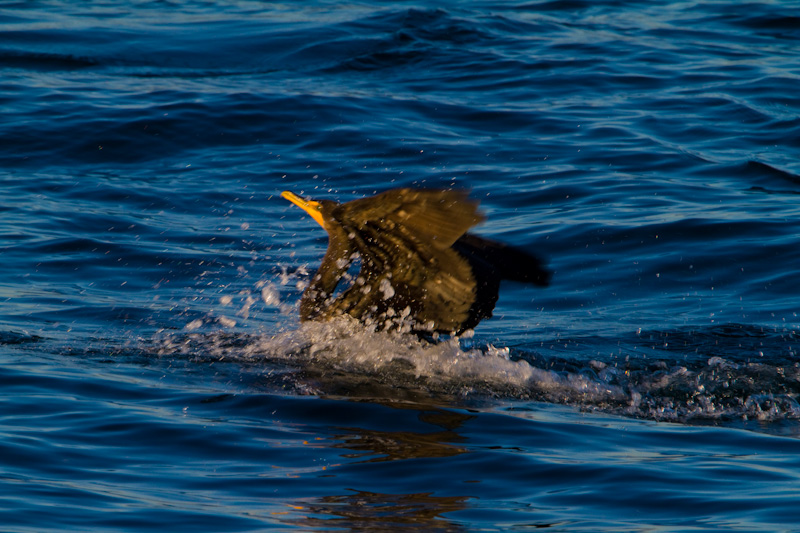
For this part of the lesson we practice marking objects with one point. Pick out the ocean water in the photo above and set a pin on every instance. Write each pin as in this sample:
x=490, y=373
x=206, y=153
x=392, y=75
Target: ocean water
x=153, y=371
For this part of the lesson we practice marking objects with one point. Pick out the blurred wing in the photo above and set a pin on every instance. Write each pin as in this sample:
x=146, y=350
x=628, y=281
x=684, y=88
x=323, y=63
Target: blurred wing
x=437, y=286
x=433, y=217
x=404, y=238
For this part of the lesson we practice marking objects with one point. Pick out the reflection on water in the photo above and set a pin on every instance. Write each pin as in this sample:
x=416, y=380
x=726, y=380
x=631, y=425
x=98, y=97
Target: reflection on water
x=373, y=511
x=359, y=509
x=399, y=445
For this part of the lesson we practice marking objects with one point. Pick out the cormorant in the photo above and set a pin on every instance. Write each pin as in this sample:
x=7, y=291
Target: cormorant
x=418, y=264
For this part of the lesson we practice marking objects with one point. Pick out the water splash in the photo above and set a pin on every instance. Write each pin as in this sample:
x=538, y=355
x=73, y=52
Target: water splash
x=343, y=357
x=717, y=374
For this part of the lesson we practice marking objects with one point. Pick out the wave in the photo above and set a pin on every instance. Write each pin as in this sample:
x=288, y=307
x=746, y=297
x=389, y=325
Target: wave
x=727, y=374
x=42, y=61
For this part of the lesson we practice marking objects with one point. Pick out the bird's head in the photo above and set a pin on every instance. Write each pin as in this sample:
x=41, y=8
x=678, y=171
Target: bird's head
x=319, y=210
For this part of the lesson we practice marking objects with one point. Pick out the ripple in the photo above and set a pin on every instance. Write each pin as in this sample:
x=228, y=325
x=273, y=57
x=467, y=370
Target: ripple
x=154, y=368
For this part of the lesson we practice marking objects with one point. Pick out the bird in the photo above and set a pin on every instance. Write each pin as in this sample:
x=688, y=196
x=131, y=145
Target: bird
x=417, y=265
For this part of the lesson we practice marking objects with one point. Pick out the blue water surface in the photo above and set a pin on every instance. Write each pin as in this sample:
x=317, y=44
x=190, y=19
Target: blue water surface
x=153, y=369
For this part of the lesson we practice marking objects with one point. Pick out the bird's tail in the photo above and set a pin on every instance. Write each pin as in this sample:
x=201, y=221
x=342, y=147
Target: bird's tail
x=508, y=262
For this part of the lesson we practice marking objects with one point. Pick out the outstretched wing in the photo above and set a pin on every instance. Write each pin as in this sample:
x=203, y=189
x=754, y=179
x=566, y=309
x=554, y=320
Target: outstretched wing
x=404, y=238
x=434, y=217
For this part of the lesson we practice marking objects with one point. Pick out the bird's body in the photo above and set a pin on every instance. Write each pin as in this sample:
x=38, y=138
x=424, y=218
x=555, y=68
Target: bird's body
x=419, y=266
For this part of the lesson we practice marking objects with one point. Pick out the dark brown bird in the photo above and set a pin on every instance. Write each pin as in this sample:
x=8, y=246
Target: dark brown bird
x=418, y=263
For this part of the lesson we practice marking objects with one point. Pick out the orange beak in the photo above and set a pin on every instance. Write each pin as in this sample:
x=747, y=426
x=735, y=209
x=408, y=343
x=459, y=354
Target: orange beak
x=309, y=206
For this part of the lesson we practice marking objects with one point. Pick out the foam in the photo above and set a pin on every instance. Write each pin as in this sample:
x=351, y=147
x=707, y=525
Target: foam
x=345, y=351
